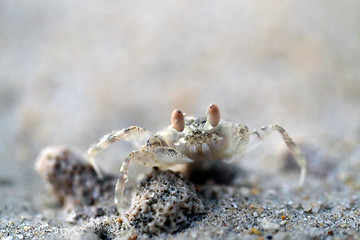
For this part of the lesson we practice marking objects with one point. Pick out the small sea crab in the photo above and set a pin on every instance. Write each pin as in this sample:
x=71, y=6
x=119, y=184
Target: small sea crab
x=186, y=140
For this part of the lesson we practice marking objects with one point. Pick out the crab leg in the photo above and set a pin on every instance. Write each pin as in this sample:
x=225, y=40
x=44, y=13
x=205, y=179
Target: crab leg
x=153, y=157
x=134, y=134
x=293, y=148
x=254, y=142
x=142, y=156
x=120, y=184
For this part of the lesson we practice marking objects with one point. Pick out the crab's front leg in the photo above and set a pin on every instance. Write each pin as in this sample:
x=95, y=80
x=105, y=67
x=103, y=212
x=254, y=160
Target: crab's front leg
x=134, y=134
x=293, y=148
x=156, y=153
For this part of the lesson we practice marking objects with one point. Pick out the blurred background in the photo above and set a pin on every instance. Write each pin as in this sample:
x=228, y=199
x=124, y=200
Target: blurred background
x=71, y=71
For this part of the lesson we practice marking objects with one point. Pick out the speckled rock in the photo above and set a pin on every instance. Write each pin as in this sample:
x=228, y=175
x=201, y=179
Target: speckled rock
x=165, y=202
x=73, y=181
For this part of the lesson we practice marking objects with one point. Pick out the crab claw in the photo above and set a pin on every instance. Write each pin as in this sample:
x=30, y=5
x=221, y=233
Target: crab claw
x=177, y=120
x=213, y=114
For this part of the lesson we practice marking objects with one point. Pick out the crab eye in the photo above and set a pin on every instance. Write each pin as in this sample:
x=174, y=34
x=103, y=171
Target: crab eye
x=177, y=120
x=214, y=114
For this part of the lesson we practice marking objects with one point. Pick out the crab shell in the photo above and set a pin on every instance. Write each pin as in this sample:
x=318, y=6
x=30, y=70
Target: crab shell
x=200, y=141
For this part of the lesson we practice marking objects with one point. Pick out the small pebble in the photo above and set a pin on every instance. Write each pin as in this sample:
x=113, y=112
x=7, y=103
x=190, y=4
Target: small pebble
x=315, y=209
x=306, y=206
x=282, y=223
x=133, y=237
x=244, y=191
x=27, y=228
x=266, y=224
x=255, y=231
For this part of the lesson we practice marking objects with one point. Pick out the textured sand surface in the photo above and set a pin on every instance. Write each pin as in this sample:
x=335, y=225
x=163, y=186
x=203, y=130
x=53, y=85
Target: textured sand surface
x=73, y=71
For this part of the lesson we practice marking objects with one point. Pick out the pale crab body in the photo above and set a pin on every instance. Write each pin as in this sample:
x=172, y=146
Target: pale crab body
x=186, y=140
x=200, y=141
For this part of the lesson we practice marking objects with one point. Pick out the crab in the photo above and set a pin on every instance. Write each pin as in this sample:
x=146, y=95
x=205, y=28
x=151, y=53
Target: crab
x=189, y=139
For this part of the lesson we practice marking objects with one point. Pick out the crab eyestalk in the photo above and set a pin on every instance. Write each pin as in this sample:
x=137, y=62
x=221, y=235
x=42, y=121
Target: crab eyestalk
x=177, y=120
x=213, y=115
